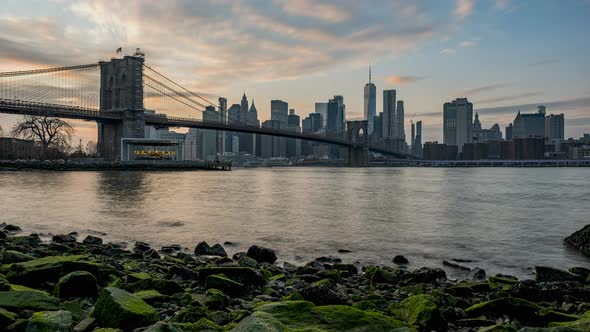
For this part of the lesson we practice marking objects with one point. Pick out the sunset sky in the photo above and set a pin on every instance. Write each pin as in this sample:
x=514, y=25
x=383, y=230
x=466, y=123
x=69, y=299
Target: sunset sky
x=503, y=55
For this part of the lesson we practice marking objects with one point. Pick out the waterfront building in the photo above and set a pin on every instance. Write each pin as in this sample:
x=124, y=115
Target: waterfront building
x=293, y=145
x=271, y=146
x=14, y=148
x=209, y=137
x=457, y=122
x=377, y=127
x=388, y=118
x=416, y=147
x=193, y=145
x=529, y=125
x=438, y=151
x=221, y=135
x=555, y=127
x=399, y=121
x=331, y=124
x=341, y=114
x=509, y=130
x=370, y=104
x=484, y=135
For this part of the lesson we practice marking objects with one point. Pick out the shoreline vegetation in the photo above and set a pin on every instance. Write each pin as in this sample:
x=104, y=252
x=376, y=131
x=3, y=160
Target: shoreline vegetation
x=71, y=284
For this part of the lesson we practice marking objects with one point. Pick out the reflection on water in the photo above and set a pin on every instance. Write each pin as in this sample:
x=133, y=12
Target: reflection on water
x=506, y=220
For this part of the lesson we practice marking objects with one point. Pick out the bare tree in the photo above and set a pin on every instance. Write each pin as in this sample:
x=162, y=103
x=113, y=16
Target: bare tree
x=91, y=149
x=50, y=132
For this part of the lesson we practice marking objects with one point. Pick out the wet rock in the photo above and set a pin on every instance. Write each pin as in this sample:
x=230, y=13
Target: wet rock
x=548, y=274
x=85, y=325
x=456, y=266
x=421, y=311
x=77, y=284
x=166, y=287
x=400, y=260
x=244, y=275
x=303, y=315
x=141, y=247
x=477, y=274
x=190, y=314
x=11, y=228
x=61, y=238
x=581, y=271
x=6, y=318
x=120, y=309
x=289, y=267
x=215, y=299
x=549, y=291
x=580, y=240
x=92, y=240
x=224, y=284
x=321, y=293
x=517, y=308
x=22, y=300
x=56, y=321
x=328, y=260
x=426, y=275
x=381, y=275
x=151, y=296
x=203, y=248
x=344, y=251
x=261, y=254
x=32, y=240
x=12, y=256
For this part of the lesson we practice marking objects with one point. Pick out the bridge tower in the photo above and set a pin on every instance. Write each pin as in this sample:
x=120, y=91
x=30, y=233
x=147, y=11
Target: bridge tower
x=357, y=134
x=121, y=90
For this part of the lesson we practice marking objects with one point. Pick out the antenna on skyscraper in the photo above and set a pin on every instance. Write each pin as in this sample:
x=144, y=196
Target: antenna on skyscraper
x=369, y=74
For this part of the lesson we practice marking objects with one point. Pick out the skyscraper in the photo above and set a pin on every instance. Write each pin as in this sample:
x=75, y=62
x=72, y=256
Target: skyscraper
x=458, y=122
x=370, y=104
x=322, y=109
x=399, y=121
x=529, y=124
x=389, y=97
x=341, y=115
x=243, y=116
x=554, y=127
x=279, y=110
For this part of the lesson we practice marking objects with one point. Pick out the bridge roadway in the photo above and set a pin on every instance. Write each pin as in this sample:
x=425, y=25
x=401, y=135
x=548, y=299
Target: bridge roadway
x=20, y=107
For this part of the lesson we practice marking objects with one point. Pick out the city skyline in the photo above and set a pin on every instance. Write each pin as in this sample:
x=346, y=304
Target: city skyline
x=495, y=53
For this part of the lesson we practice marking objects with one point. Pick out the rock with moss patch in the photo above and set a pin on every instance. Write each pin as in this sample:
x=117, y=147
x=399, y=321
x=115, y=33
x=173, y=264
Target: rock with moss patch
x=224, y=284
x=6, y=318
x=203, y=248
x=12, y=256
x=190, y=314
x=166, y=287
x=151, y=296
x=381, y=275
x=520, y=309
x=498, y=328
x=422, y=311
x=215, y=299
x=261, y=254
x=549, y=274
x=118, y=308
x=321, y=293
x=33, y=300
x=305, y=316
x=243, y=275
x=41, y=271
x=50, y=321
x=580, y=240
x=77, y=284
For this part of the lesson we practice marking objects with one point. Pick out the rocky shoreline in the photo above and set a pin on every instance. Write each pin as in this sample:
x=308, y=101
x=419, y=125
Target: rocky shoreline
x=71, y=284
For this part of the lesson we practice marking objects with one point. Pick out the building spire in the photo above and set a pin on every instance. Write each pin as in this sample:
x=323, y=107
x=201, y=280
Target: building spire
x=369, y=74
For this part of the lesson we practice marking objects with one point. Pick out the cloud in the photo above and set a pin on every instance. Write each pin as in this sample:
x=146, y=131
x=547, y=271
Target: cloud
x=448, y=51
x=311, y=8
x=508, y=98
x=556, y=106
x=468, y=43
x=502, y=4
x=394, y=79
x=463, y=8
x=482, y=89
x=543, y=62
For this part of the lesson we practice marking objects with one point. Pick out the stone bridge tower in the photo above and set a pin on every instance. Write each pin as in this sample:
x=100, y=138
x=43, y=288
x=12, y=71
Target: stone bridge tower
x=357, y=134
x=121, y=90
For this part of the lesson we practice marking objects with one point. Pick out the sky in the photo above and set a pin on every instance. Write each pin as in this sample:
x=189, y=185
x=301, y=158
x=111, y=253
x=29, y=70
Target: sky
x=503, y=55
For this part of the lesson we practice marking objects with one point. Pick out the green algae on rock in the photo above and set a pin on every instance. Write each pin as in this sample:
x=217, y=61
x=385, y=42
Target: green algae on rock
x=31, y=300
x=77, y=284
x=420, y=310
x=50, y=321
x=118, y=308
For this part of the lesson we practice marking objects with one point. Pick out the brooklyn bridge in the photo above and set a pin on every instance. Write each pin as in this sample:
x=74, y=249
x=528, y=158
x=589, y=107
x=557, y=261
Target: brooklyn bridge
x=124, y=95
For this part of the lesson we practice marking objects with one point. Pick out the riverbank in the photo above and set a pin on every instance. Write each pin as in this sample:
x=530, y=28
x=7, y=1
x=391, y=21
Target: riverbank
x=101, y=165
x=87, y=285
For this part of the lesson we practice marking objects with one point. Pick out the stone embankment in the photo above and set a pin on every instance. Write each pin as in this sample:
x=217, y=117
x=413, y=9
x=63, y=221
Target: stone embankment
x=101, y=165
x=70, y=285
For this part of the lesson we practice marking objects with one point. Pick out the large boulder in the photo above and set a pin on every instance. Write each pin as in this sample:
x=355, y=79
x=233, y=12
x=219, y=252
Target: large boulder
x=32, y=300
x=77, y=284
x=11, y=256
x=426, y=275
x=580, y=240
x=49, y=269
x=549, y=274
x=166, y=287
x=381, y=275
x=203, y=248
x=118, y=308
x=321, y=293
x=421, y=311
x=305, y=316
x=54, y=321
x=261, y=254
x=215, y=299
x=92, y=240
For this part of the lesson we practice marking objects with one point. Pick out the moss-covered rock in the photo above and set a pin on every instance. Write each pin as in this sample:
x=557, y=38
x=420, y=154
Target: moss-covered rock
x=215, y=299
x=225, y=284
x=305, y=316
x=549, y=274
x=41, y=271
x=166, y=287
x=190, y=314
x=500, y=282
x=498, y=328
x=118, y=308
x=243, y=275
x=321, y=293
x=16, y=301
x=50, y=321
x=11, y=256
x=420, y=311
x=206, y=325
x=21, y=288
x=77, y=284
x=381, y=275
x=293, y=296
x=6, y=318
x=520, y=309
x=151, y=296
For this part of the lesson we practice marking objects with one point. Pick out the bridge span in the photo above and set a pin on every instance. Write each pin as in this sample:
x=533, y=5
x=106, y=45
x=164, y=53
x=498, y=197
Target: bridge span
x=120, y=111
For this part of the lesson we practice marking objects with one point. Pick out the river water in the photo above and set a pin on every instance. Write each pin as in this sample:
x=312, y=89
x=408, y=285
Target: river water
x=506, y=220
